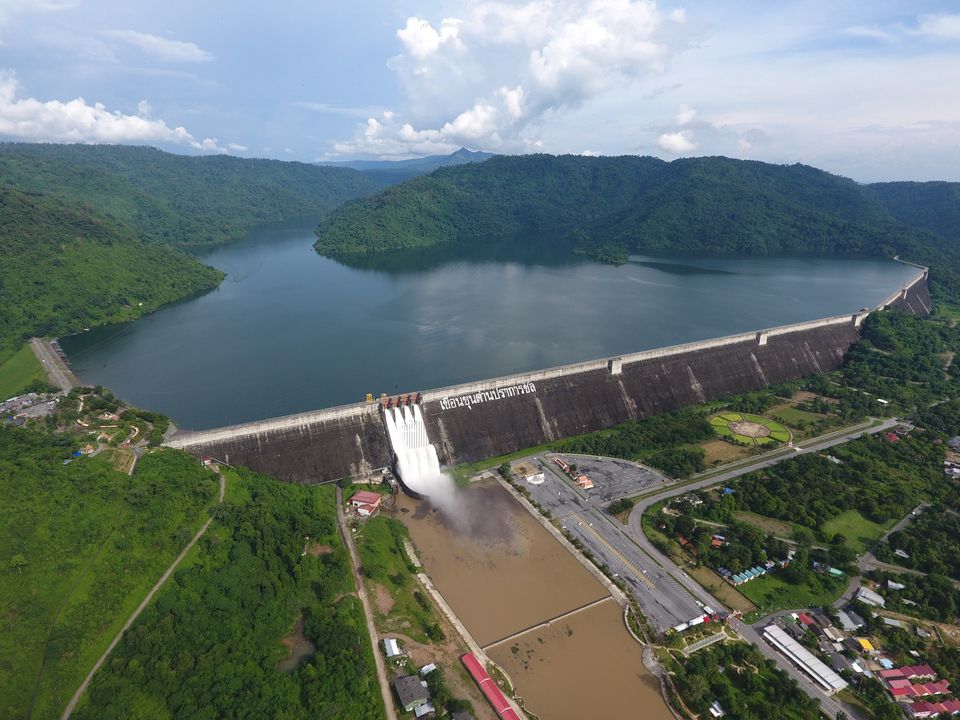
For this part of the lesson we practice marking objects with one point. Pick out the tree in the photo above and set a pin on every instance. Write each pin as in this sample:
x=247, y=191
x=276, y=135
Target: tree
x=17, y=562
x=504, y=471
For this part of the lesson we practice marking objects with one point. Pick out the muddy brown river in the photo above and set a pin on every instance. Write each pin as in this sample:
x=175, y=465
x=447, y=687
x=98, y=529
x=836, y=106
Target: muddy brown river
x=503, y=573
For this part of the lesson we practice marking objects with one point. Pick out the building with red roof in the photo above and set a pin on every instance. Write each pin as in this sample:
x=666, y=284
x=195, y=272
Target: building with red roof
x=366, y=502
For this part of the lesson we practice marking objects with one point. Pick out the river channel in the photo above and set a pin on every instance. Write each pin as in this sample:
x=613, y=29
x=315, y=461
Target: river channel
x=289, y=330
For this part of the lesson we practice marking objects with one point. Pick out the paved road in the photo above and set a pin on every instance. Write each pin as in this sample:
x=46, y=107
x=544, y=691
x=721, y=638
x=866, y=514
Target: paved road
x=71, y=706
x=665, y=602
x=57, y=370
x=347, y=537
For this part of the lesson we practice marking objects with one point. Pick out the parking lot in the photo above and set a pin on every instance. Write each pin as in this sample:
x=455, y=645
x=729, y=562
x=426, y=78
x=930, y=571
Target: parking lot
x=614, y=479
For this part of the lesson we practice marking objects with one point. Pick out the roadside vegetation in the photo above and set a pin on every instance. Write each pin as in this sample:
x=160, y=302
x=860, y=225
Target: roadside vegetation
x=210, y=644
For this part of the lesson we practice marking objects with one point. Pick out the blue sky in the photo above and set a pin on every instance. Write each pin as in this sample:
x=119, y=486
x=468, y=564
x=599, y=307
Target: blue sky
x=864, y=89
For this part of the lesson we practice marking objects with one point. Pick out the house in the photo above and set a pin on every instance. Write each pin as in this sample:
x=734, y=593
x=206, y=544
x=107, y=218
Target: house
x=411, y=691
x=901, y=554
x=584, y=482
x=865, y=645
x=929, y=709
x=869, y=597
x=891, y=585
x=366, y=502
x=427, y=669
x=391, y=647
x=839, y=663
x=891, y=622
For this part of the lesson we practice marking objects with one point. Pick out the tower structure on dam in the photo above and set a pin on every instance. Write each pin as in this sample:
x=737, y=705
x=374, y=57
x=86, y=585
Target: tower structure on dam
x=494, y=417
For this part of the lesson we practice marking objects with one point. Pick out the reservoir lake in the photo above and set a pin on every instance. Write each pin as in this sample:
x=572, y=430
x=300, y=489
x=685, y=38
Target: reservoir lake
x=290, y=331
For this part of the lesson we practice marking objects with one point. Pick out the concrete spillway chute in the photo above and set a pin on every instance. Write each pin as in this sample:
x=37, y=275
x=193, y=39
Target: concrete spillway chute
x=417, y=463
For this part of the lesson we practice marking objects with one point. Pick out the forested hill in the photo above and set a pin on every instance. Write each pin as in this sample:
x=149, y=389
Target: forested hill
x=933, y=206
x=607, y=207
x=63, y=268
x=176, y=198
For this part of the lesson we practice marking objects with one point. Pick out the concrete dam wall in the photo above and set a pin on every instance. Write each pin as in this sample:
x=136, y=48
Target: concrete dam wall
x=478, y=420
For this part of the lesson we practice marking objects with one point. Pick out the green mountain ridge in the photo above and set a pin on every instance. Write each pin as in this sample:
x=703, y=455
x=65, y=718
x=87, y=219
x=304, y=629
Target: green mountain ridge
x=179, y=199
x=64, y=268
x=607, y=207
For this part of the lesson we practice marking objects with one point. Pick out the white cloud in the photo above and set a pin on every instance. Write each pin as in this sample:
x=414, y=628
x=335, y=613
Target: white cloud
x=686, y=115
x=944, y=26
x=162, y=48
x=77, y=121
x=678, y=143
x=492, y=75
x=421, y=40
x=237, y=147
x=868, y=31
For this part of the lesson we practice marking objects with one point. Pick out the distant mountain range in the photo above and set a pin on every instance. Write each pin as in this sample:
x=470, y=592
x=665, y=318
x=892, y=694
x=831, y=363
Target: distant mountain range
x=610, y=206
x=389, y=172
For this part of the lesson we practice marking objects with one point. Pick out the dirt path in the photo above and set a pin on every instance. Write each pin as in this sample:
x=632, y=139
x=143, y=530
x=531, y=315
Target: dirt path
x=367, y=610
x=71, y=706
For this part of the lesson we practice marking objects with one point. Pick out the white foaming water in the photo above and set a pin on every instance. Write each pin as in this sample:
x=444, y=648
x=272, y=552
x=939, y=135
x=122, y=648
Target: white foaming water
x=417, y=462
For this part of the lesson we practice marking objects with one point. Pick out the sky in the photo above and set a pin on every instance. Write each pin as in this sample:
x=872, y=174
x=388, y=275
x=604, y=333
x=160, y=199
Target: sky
x=869, y=90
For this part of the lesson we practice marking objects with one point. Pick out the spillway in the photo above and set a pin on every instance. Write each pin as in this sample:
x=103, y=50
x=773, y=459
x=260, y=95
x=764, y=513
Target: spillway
x=417, y=463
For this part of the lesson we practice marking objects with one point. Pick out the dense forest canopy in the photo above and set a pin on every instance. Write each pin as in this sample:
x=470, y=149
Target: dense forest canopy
x=64, y=268
x=607, y=207
x=177, y=198
x=933, y=206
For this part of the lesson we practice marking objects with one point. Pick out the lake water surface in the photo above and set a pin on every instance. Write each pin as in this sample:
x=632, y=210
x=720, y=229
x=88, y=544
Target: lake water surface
x=290, y=331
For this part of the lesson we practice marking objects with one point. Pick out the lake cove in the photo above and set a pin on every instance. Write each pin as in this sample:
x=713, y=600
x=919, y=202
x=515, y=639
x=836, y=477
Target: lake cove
x=290, y=331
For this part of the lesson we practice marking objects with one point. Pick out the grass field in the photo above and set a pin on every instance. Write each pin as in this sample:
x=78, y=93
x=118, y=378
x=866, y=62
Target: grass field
x=18, y=371
x=770, y=593
x=768, y=525
x=794, y=416
x=384, y=563
x=716, y=452
x=860, y=532
x=94, y=541
x=720, y=589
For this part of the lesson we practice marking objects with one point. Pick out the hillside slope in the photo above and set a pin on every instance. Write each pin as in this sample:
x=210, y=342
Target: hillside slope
x=933, y=206
x=607, y=207
x=177, y=198
x=62, y=269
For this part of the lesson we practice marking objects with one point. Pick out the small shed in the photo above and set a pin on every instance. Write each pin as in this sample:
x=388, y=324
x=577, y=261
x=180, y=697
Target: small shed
x=391, y=647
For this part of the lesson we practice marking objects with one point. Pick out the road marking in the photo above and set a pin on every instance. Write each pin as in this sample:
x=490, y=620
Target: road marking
x=640, y=575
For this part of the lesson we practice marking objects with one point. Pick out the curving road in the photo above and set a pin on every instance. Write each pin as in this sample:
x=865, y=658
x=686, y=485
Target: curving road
x=750, y=633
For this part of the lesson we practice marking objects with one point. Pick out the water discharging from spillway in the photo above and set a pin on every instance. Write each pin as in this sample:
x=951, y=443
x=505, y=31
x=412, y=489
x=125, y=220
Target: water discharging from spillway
x=417, y=462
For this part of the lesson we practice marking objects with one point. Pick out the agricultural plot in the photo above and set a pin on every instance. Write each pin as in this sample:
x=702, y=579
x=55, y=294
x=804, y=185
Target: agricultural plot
x=748, y=429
